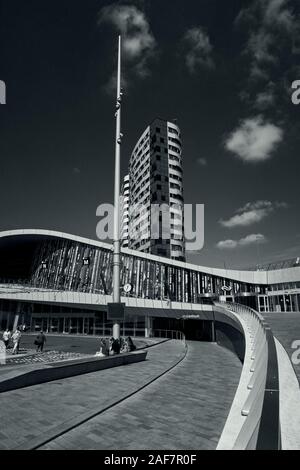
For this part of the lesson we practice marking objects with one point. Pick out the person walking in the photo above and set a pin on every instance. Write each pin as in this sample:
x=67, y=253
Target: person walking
x=16, y=337
x=6, y=337
x=40, y=341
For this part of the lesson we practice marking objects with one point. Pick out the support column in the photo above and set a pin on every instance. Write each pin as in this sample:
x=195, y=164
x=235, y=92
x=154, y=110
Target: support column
x=284, y=303
x=8, y=320
x=16, y=321
x=148, y=327
x=116, y=330
x=213, y=332
x=213, y=329
x=17, y=316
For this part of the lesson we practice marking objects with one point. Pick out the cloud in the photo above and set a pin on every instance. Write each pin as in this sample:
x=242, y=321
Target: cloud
x=202, y=161
x=251, y=239
x=198, y=49
x=272, y=29
x=272, y=26
x=255, y=140
x=243, y=242
x=278, y=12
x=251, y=213
x=76, y=171
x=111, y=86
x=227, y=244
x=266, y=99
x=139, y=44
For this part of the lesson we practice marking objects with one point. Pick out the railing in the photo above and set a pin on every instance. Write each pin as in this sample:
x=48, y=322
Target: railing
x=255, y=412
x=171, y=334
x=26, y=286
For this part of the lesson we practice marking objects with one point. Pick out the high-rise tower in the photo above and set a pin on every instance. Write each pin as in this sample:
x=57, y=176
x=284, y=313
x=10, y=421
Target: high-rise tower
x=156, y=182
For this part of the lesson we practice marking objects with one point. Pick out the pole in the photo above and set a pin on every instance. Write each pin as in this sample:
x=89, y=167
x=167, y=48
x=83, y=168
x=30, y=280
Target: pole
x=116, y=244
x=258, y=252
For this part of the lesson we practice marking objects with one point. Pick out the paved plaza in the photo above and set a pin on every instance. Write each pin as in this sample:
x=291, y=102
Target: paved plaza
x=60, y=348
x=73, y=343
x=184, y=408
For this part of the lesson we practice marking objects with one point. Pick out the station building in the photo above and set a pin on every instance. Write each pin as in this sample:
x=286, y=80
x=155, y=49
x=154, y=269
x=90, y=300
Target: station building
x=62, y=283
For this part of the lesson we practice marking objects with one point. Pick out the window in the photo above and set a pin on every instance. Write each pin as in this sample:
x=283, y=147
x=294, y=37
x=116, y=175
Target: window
x=158, y=130
x=177, y=197
x=174, y=149
x=161, y=252
x=173, y=131
x=176, y=216
x=176, y=247
x=176, y=141
x=162, y=140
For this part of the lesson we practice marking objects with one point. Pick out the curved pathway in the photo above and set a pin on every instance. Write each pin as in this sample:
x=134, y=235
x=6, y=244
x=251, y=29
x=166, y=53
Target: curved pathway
x=185, y=409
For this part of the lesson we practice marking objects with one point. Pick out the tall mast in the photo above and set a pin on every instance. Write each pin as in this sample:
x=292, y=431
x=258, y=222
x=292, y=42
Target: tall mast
x=116, y=242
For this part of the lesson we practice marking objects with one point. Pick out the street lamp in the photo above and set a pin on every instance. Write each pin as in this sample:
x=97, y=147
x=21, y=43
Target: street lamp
x=116, y=309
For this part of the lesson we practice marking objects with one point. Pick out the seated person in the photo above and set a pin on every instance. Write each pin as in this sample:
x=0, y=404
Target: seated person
x=130, y=345
x=116, y=346
x=101, y=352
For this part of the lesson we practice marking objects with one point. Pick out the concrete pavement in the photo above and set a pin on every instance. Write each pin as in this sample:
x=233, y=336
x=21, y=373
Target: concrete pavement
x=32, y=415
x=185, y=409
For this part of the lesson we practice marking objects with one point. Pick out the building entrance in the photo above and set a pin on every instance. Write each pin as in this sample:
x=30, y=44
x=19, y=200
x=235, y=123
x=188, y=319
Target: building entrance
x=193, y=329
x=71, y=325
x=197, y=330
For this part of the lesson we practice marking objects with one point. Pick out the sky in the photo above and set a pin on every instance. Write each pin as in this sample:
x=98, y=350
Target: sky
x=224, y=70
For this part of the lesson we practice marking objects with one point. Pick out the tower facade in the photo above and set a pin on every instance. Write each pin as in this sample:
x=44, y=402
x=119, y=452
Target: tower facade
x=124, y=216
x=156, y=216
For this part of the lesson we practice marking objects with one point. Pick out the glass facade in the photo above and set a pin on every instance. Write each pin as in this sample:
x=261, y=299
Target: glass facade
x=67, y=265
x=62, y=264
x=65, y=320
x=284, y=302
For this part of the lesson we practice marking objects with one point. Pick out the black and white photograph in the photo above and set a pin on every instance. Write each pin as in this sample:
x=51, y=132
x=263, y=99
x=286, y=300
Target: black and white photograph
x=149, y=228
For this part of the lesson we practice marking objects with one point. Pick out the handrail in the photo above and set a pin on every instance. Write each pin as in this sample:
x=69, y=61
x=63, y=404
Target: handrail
x=171, y=334
x=258, y=390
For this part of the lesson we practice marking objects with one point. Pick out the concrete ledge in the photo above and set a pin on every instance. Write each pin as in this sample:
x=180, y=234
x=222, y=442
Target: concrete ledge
x=55, y=371
x=253, y=421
